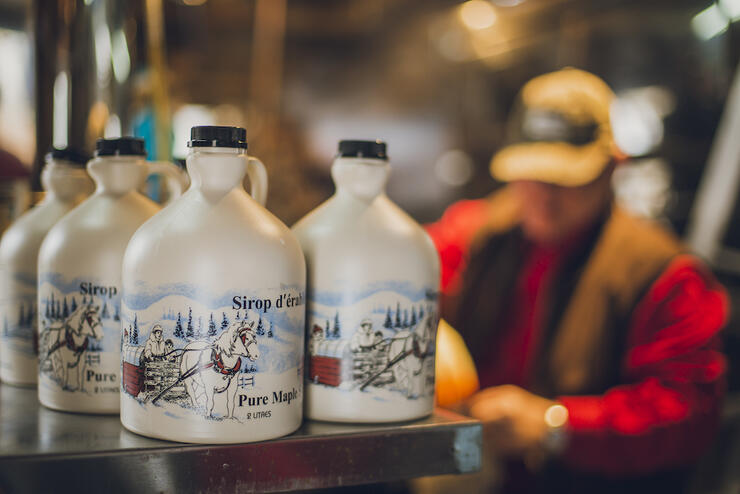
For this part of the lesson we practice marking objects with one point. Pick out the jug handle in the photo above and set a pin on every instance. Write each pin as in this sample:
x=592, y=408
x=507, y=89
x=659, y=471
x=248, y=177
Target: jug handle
x=176, y=180
x=257, y=180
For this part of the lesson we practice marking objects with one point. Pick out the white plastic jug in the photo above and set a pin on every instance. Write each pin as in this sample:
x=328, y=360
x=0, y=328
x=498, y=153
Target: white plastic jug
x=214, y=308
x=79, y=272
x=66, y=184
x=372, y=298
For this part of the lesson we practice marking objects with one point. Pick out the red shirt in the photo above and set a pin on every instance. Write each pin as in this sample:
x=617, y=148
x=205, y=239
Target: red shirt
x=524, y=321
x=666, y=410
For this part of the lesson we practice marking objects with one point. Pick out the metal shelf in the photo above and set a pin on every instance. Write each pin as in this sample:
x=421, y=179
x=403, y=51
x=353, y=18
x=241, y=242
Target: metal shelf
x=47, y=451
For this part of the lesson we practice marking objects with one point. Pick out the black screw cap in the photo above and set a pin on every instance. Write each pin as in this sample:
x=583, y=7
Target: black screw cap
x=74, y=156
x=218, y=137
x=121, y=146
x=363, y=149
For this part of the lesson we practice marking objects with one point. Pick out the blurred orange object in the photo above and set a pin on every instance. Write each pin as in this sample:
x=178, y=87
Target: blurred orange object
x=455, y=374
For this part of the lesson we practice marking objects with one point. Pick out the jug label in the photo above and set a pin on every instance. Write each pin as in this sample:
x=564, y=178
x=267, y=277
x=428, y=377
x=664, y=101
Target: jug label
x=237, y=355
x=79, y=330
x=18, y=347
x=376, y=342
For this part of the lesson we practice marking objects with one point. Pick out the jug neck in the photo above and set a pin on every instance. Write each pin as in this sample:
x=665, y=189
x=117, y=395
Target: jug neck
x=118, y=175
x=65, y=182
x=361, y=178
x=217, y=169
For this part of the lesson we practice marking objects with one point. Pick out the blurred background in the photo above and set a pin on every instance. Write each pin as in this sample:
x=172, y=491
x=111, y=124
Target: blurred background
x=434, y=78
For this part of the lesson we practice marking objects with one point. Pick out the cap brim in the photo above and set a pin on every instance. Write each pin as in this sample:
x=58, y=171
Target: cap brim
x=557, y=163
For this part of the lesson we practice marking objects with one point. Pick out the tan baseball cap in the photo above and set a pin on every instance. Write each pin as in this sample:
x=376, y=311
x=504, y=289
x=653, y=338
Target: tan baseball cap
x=559, y=131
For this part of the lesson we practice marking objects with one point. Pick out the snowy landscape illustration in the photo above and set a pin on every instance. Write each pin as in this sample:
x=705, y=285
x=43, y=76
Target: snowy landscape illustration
x=380, y=341
x=195, y=356
x=75, y=332
x=19, y=316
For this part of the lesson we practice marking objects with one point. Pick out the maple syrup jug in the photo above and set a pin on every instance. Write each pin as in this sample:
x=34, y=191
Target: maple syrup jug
x=214, y=307
x=372, y=298
x=79, y=280
x=66, y=184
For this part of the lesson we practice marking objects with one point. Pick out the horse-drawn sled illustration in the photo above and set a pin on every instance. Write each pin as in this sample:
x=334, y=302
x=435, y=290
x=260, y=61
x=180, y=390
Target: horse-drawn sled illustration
x=370, y=358
x=64, y=344
x=193, y=376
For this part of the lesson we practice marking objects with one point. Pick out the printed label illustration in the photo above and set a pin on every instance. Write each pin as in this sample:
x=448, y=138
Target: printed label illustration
x=78, y=334
x=18, y=346
x=234, y=356
x=378, y=341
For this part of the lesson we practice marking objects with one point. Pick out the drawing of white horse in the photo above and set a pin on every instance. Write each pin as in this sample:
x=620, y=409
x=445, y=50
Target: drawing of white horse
x=410, y=348
x=208, y=369
x=64, y=343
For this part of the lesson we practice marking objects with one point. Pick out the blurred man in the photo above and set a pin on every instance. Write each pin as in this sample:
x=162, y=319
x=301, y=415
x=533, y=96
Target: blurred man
x=595, y=335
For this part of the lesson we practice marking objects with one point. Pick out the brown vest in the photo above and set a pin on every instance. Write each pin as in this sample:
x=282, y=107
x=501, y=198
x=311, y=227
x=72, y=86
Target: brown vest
x=592, y=299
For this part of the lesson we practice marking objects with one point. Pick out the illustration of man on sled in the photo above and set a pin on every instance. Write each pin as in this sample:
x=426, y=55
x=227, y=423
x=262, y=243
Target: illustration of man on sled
x=369, y=358
x=154, y=349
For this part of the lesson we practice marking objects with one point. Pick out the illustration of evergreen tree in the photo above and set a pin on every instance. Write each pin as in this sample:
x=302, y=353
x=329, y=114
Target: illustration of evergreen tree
x=224, y=321
x=179, y=333
x=117, y=315
x=405, y=318
x=413, y=316
x=269, y=331
x=47, y=313
x=21, y=315
x=29, y=317
x=65, y=309
x=189, y=331
x=104, y=314
x=135, y=331
x=388, y=324
x=212, y=326
x=327, y=331
x=260, y=327
x=199, y=329
x=238, y=317
x=398, y=316
x=335, y=333
x=421, y=312
x=58, y=310
x=53, y=314
x=73, y=305
x=130, y=335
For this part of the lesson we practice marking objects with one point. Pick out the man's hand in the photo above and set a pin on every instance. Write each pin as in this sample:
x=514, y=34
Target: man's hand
x=513, y=419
